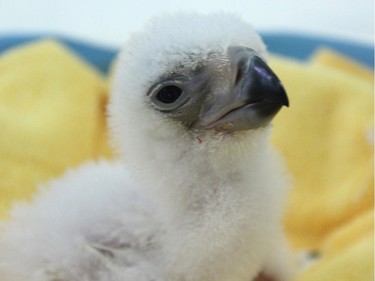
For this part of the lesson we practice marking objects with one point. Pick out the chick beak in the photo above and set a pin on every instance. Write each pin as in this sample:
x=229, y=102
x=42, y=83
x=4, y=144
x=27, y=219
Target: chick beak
x=255, y=96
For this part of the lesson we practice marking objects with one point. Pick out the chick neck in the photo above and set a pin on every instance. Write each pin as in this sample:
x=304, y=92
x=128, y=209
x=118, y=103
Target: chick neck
x=200, y=173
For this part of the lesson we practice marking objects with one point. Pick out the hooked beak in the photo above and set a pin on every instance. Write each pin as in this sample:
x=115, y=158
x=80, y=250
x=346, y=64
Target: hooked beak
x=256, y=95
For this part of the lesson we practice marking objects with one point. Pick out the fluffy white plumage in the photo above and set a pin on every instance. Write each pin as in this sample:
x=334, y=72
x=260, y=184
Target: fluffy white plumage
x=184, y=205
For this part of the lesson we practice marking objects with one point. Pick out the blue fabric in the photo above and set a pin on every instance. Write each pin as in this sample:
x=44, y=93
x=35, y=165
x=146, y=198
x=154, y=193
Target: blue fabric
x=301, y=47
x=295, y=46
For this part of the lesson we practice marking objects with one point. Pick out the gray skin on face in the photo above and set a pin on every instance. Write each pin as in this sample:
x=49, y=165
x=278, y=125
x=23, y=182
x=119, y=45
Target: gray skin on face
x=229, y=92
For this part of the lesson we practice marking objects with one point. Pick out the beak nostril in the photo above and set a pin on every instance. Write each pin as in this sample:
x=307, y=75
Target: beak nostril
x=241, y=68
x=239, y=75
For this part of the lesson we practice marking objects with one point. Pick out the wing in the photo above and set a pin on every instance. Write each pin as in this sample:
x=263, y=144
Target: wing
x=93, y=223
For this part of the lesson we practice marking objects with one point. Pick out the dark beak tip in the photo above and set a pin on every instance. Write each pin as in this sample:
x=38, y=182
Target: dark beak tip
x=265, y=83
x=284, y=97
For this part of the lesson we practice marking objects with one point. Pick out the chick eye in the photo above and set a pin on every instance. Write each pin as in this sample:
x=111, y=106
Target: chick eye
x=169, y=94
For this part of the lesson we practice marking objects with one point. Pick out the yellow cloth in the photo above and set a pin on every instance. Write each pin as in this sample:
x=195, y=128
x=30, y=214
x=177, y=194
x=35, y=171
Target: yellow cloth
x=52, y=118
x=347, y=254
x=326, y=137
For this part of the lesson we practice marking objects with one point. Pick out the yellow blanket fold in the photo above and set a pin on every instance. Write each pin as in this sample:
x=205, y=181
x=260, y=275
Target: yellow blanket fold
x=326, y=137
x=347, y=254
x=52, y=118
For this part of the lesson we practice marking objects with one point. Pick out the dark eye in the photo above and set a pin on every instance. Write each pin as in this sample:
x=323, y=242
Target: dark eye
x=169, y=94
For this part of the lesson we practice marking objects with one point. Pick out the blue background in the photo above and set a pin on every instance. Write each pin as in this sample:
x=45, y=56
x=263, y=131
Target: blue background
x=295, y=46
